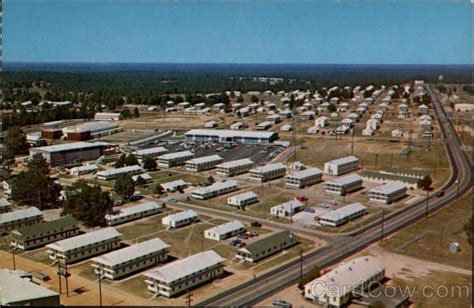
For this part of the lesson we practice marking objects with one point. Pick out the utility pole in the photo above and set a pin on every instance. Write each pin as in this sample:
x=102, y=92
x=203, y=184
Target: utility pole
x=59, y=276
x=427, y=202
x=99, y=274
x=352, y=143
x=383, y=220
x=13, y=256
x=301, y=263
x=376, y=160
x=189, y=299
x=67, y=275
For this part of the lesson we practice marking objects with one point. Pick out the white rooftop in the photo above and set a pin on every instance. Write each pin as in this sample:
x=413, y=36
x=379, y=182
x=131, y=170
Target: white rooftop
x=184, y=267
x=227, y=227
x=127, y=211
x=19, y=214
x=289, y=206
x=343, y=212
x=132, y=252
x=176, y=155
x=114, y=171
x=228, y=133
x=205, y=159
x=305, y=173
x=70, y=146
x=4, y=202
x=151, y=151
x=245, y=196
x=344, y=160
x=348, y=179
x=182, y=215
x=216, y=187
x=85, y=239
x=269, y=168
x=173, y=184
x=388, y=188
x=236, y=163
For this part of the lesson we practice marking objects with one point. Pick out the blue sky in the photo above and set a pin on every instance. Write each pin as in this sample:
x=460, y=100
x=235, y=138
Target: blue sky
x=379, y=32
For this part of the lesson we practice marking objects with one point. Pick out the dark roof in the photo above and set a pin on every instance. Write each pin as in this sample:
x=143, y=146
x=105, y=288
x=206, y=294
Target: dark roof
x=267, y=242
x=46, y=226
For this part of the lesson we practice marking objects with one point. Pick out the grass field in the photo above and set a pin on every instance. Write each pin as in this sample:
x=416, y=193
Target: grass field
x=430, y=238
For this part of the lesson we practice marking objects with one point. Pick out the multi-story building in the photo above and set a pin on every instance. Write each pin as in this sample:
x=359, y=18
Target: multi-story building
x=389, y=192
x=179, y=219
x=113, y=173
x=85, y=245
x=154, y=153
x=243, y=199
x=131, y=259
x=60, y=154
x=268, y=172
x=132, y=213
x=203, y=163
x=81, y=170
x=304, y=178
x=108, y=116
x=341, y=165
x=224, y=231
x=235, y=167
x=266, y=246
x=174, y=159
x=225, y=135
x=20, y=218
x=342, y=215
x=89, y=130
x=214, y=190
x=43, y=233
x=181, y=275
x=344, y=185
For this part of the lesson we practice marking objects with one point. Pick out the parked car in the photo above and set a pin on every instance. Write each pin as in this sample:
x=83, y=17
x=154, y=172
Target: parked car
x=309, y=210
x=255, y=224
x=281, y=303
x=440, y=193
x=243, y=236
x=235, y=242
x=241, y=244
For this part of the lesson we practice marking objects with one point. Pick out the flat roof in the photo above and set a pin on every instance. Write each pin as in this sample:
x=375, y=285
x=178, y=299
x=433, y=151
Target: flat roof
x=185, y=267
x=343, y=212
x=305, y=173
x=127, y=211
x=46, y=226
x=182, y=215
x=151, y=151
x=236, y=163
x=228, y=227
x=343, y=160
x=245, y=196
x=132, y=252
x=388, y=188
x=216, y=187
x=269, y=167
x=19, y=214
x=205, y=159
x=228, y=133
x=15, y=289
x=176, y=155
x=85, y=239
x=114, y=171
x=69, y=146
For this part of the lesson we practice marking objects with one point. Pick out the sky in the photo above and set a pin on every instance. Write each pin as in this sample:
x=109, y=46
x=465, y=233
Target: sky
x=316, y=32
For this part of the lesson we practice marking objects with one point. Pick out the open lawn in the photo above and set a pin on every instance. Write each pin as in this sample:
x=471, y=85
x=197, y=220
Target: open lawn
x=430, y=238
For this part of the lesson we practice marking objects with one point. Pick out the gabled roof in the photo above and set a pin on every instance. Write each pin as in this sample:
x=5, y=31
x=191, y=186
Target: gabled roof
x=44, y=227
x=267, y=242
x=85, y=239
x=19, y=214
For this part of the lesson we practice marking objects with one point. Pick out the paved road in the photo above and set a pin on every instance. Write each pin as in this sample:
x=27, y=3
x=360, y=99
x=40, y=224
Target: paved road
x=264, y=286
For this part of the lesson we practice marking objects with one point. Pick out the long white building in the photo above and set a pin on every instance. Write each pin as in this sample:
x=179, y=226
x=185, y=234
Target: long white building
x=131, y=259
x=226, y=135
x=342, y=215
x=243, y=199
x=113, y=173
x=337, y=287
x=388, y=192
x=235, y=167
x=215, y=190
x=179, y=219
x=341, y=165
x=224, y=231
x=154, y=153
x=203, y=163
x=85, y=245
x=304, y=178
x=266, y=246
x=268, y=172
x=86, y=169
x=181, y=275
x=132, y=213
x=286, y=209
x=174, y=159
x=20, y=218
x=343, y=185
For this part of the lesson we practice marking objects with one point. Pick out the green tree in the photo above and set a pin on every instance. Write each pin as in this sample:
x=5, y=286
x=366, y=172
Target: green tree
x=15, y=142
x=126, y=113
x=131, y=160
x=310, y=276
x=120, y=162
x=150, y=164
x=211, y=180
x=254, y=99
x=468, y=230
x=124, y=186
x=332, y=108
x=88, y=204
x=136, y=113
x=158, y=189
x=425, y=182
x=240, y=99
x=34, y=187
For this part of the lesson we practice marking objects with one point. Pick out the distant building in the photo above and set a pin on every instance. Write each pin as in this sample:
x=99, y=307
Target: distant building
x=337, y=287
x=69, y=152
x=4, y=205
x=224, y=231
x=113, y=173
x=135, y=212
x=131, y=259
x=85, y=245
x=20, y=218
x=174, y=185
x=235, y=167
x=266, y=246
x=303, y=178
x=91, y=130
x=181, y=275
x=211, y=124
x=108, y=116
x=389, y=192
x=342, y=215
x=224, y=135
x=344, y=185
x=81, y=170
x=341, y=165
x=264, y=125
x=215, y=190
x=153, y=153
x=174, y=159
x=203, y=163
x=179, y=219
x=268, y=172
x=243, y=199
x=43, y=233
